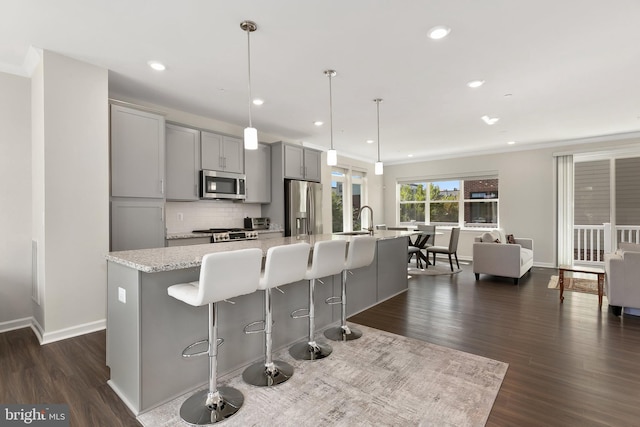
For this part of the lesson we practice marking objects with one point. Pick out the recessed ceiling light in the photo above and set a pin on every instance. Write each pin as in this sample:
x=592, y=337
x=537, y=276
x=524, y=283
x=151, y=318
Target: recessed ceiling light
x=475, y=83
x=490, y=120
x=439, y=32
x=410, y=155
x=370, y=141
x=258, y=101
x=158, y=66
x=511, y=142
x=318, y=123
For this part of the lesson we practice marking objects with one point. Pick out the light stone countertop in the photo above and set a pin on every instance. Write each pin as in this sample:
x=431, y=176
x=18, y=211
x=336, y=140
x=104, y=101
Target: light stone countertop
x=180, y=257
x=191, y=235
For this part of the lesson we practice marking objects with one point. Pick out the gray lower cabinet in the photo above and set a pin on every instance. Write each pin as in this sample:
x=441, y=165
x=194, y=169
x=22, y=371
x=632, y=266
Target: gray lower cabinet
x=183, y=163
x=137, y=224
x=258, y=172
x=221, y=153
x=137, y=153
x=189, y=241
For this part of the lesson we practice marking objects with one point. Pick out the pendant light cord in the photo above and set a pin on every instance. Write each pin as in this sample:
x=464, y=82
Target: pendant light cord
x=249, y=72
x=378, y=109
x=331, y=111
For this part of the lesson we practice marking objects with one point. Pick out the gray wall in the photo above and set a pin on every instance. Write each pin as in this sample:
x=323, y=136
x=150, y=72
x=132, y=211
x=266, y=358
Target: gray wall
x=15, y=201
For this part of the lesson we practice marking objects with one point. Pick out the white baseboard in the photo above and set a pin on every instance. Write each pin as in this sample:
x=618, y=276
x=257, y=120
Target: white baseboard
x=12, y=325
x=73, y=331
x=49, y=337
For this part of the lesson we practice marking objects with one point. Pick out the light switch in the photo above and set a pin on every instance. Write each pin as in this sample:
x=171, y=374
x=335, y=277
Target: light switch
x=122, y=295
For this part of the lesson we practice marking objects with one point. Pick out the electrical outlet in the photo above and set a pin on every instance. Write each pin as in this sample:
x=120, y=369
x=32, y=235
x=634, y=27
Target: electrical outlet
x=180, y=216
x=122, y=295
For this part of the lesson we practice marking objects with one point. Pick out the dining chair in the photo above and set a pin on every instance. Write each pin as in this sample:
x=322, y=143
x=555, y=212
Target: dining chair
x=449, y=250
x=422, y=242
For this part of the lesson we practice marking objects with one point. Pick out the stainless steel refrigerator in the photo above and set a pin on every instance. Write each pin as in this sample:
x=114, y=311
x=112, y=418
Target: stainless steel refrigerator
x=302, y=208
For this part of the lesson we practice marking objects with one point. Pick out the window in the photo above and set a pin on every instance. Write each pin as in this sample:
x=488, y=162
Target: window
x=348, y=190
x=466, y=203
x=337, y=200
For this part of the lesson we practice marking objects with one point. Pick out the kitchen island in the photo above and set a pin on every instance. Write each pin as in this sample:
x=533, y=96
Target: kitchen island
x=147, y=330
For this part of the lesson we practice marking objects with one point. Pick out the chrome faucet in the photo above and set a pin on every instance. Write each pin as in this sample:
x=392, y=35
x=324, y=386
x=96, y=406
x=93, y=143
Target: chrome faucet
x=370, y=229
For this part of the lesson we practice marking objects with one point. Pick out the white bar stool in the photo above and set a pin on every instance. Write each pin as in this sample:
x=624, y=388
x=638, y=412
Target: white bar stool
x=362, y=250
x=222, y=275
x=284, y=264
x=328, y=260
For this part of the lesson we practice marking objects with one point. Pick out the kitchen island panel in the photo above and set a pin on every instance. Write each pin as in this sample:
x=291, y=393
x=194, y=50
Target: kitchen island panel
x=392, y=272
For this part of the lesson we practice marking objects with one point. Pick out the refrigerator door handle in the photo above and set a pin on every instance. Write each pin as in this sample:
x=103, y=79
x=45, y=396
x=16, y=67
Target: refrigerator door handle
x=311, y=215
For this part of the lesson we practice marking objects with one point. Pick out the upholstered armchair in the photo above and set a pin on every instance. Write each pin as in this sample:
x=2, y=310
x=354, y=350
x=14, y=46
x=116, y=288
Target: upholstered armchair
x=622, y=273
x=493, y=255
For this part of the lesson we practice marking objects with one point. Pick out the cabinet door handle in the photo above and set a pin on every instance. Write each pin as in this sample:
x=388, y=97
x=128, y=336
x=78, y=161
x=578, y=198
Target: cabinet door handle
x=195, y=189
x=162, y=186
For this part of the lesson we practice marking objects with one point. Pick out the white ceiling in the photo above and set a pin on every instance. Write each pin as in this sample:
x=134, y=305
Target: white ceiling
x=570, y=66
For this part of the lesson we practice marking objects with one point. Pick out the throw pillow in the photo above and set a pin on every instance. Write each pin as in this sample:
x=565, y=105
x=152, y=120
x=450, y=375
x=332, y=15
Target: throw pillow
x=511, y=239
x=498, y=237
x=489, y=238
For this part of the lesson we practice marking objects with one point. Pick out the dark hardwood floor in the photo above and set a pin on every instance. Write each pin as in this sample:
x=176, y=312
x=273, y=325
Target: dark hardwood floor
x=569, y=365
x=72, y=371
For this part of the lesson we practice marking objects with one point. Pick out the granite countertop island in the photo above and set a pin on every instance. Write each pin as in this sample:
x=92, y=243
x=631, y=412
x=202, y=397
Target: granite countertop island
x=180, y=257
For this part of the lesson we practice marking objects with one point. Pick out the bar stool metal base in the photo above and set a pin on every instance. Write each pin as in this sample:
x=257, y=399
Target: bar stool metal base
x=340, y=333
x=194, y=410
x=310, y=351
x=258, y=374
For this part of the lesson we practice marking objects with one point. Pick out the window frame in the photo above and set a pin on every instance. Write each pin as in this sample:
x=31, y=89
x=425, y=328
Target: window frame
x=461, y=200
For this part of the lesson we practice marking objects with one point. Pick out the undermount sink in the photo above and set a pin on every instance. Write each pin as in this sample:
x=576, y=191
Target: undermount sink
x=352, y=233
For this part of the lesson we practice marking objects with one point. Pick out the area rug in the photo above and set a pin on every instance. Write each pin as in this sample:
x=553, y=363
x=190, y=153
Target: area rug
x=432, y=270
x=587, y=286
x=379, y=379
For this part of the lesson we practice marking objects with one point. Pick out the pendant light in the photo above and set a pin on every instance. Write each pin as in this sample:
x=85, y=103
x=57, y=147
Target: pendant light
x=332, y=154
x=378, y=170
x=250, y=133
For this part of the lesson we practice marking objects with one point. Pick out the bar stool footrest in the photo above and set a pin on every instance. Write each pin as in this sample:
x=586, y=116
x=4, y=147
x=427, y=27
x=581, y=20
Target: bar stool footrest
x=294, y=314
x=186, y=354
x=247, y=327
x=333, y=300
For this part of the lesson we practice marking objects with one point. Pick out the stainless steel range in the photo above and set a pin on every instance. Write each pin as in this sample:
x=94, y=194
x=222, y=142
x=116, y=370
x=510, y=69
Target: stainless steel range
x=220, y=235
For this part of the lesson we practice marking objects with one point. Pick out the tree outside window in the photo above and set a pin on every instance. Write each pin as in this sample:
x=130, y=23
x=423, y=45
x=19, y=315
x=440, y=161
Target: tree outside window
x=442, y=202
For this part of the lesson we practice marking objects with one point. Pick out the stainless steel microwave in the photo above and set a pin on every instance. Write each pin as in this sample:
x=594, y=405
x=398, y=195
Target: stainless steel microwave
x=222, y=185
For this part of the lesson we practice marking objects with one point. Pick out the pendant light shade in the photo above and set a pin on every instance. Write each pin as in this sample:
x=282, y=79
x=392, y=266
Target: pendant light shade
x=332, y=157
x=378, y=169
x=250, y=133
x=250, y=138
x=332, y=154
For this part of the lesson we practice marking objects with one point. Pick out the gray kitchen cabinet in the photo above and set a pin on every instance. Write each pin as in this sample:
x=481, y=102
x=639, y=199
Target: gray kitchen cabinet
x=183, y=163
x=301, y=163
x=221, y=153
x=137, y=224
x=312, y=169
x=137, y=153
x=258, y=172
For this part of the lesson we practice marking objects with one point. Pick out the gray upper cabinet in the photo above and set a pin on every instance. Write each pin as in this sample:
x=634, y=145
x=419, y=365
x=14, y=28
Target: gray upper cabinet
x=183, y=163
x=301, y=163
x=222, y=153
x=137, y=153
x=312, y=169
x=258, y=171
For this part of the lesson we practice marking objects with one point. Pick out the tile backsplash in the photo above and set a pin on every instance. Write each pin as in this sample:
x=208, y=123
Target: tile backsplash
x=188, y=216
